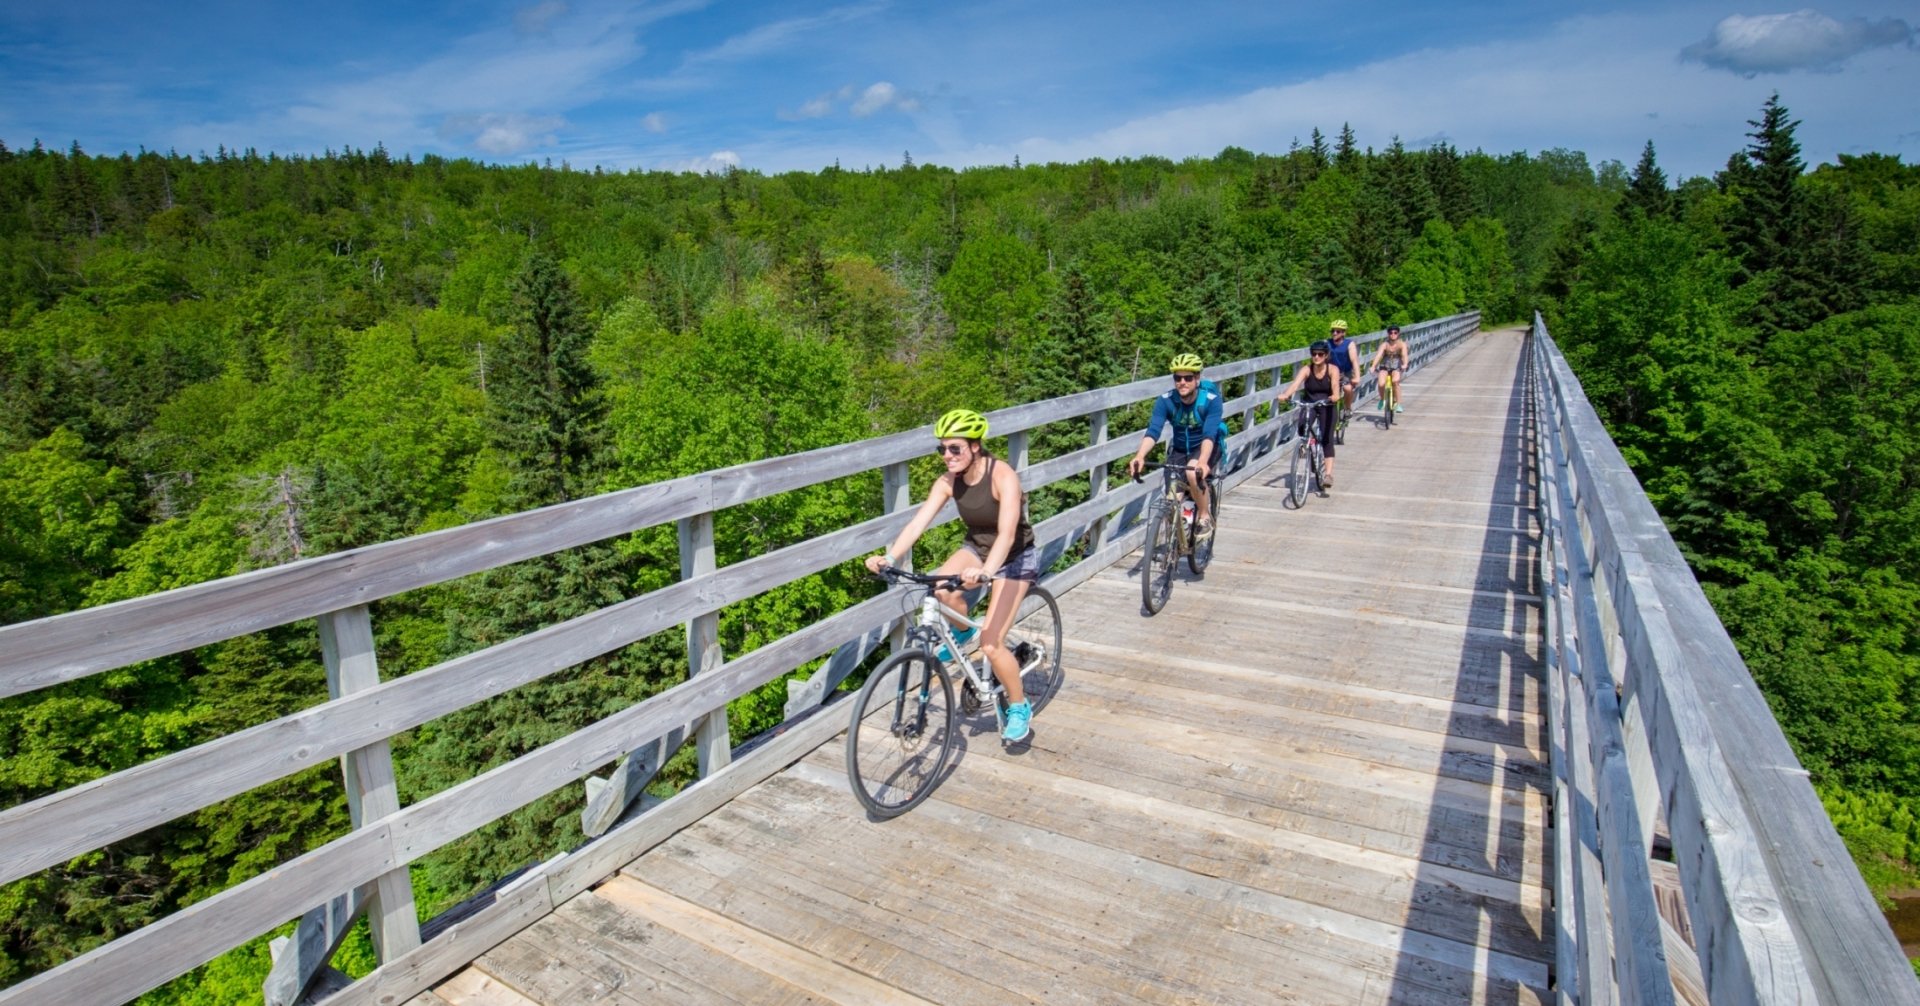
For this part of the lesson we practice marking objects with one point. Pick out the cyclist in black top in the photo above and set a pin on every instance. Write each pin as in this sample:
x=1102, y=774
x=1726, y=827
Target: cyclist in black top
x=1320, y=381
x=998, y=547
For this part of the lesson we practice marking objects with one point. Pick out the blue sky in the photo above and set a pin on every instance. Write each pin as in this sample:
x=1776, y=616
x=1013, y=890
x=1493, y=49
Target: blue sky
x=697, y=84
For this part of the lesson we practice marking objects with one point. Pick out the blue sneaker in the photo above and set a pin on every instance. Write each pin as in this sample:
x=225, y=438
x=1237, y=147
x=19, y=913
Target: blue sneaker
x=963, y=637
x=1018, y=719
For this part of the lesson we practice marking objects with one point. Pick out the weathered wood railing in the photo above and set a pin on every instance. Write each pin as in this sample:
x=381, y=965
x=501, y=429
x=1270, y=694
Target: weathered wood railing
x=1653, y=714
x=367, y=869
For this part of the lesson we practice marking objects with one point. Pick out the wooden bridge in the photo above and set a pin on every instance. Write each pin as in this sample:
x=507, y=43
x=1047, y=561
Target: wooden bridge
x=1463, y=731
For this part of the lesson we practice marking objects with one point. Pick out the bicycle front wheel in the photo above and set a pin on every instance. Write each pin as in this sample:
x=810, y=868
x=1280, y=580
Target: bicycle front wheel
x=902, y=733
x=1387, y=395
x=1201, y=551
x=1298, y=470
x=1035, y=641
x=1162, y=551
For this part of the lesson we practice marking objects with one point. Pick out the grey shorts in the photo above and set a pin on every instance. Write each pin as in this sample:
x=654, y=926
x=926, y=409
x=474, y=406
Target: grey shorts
x=1022, y=565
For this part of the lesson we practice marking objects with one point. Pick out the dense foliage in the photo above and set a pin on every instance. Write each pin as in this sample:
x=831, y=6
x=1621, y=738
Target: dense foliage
x=213, y=364
x=1750, y=340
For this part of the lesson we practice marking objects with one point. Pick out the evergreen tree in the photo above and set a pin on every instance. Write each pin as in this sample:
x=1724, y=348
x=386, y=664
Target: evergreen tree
x=545, y=399
x=1452, y=193
x=1346, y=154
x=1646, y=189
x=1318, y=148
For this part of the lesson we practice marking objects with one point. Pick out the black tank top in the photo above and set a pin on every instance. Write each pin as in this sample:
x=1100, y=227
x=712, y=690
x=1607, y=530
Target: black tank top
x=980, y=512
x=1318, y=389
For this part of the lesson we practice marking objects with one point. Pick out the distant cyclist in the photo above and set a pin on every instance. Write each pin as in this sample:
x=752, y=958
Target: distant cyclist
x=1344, y=354
x=998, y=547
x=1319, y=381
x=1393, y=358
x=1198, y=431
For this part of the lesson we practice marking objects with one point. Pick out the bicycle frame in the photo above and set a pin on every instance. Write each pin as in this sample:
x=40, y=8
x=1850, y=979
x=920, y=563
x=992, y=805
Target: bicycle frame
x=932, y=628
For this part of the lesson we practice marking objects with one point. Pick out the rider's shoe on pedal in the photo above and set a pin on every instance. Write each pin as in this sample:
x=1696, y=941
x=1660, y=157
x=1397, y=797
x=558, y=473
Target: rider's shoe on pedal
x=961, y=636
x=1019, y=720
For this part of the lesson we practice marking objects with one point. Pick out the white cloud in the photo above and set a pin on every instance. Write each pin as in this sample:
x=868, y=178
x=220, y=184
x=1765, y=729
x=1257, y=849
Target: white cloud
x=718, y=162
x=536, y=19
x=875, y=98
x=1802, y=40
x=654, y=122
x=501, y=134
x=1588, y=83
x=777, y=35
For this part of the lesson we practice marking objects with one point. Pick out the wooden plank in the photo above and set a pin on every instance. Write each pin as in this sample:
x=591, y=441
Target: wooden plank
x=828, y=979
x=1156, y=945
x=901, y=950
x=473, y=987
x=1300, y=939
x=554, y=962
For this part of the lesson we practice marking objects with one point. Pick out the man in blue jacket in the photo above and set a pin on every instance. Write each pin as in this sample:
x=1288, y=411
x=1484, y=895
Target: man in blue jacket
x=1199, y=436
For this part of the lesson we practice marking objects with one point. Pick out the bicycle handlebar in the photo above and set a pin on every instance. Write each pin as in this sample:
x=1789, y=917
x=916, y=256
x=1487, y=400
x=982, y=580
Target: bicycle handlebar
x=1144, y=465
x=938, y=581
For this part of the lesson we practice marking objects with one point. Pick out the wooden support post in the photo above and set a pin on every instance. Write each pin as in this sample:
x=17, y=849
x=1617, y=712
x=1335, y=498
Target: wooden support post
x=1017, y=448
x=608, y=800
x=711, y=734
x=1097, y=477
x=346, y=648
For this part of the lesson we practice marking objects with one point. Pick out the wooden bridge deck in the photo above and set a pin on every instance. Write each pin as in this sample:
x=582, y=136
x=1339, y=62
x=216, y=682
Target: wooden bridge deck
x=1318, y=776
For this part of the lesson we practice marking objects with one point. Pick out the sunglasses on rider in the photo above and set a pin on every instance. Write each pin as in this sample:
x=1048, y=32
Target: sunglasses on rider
x=954, y=449
x=1179, y=378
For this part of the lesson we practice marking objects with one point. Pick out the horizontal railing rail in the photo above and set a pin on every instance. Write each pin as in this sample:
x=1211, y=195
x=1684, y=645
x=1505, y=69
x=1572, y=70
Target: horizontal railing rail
x=351, y=873
x=1653, y=715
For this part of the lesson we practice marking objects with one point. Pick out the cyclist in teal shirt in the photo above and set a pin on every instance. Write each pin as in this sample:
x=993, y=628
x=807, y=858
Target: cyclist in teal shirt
x=1199, y=435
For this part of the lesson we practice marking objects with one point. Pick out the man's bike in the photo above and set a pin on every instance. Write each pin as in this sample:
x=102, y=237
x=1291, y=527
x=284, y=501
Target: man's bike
x=1309, y=455
x=1173, y=531
x=904, y=723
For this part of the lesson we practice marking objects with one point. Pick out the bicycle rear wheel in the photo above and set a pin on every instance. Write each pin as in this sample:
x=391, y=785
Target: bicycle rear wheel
x=1200, y=551
x=1298, y=471
x=901, y=734
x=1162, y=551
x=1035, y=641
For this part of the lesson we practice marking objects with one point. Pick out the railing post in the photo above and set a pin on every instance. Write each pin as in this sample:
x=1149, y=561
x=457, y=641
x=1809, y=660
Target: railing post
x=1097, y=479
x=346, y=648
x=711, y=735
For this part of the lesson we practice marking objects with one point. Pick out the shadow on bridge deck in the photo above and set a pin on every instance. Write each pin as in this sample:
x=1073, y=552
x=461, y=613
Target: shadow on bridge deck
x=1318, y=776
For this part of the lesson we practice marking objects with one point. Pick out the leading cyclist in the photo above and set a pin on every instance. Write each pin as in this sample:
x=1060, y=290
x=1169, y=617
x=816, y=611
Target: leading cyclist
x=998, y=547
x=1197, y=434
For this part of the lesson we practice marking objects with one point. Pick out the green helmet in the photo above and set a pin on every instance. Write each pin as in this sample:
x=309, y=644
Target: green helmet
x=1185, y=361
x=964, y=423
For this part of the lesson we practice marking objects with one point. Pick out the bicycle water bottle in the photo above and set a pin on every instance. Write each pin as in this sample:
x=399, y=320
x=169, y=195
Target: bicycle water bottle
x=1186, y=511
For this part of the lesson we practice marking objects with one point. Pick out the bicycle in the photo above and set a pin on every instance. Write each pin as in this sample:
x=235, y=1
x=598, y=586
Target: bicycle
x=1342, y=416
x=1309, y=457
x=901, y=734
x=1389, y=396
x=1173, y=531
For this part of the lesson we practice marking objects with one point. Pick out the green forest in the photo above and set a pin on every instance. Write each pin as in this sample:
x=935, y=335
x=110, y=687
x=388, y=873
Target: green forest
x=215, y=363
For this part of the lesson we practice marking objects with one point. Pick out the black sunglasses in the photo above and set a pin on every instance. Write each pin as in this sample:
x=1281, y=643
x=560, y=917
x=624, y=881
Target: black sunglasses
x=1186, y=377
x=953, y=449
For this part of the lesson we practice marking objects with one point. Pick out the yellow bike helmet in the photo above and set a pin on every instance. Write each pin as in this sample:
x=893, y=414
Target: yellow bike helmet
x=964, y=423
x=1185, y=361
x=1339, y=324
